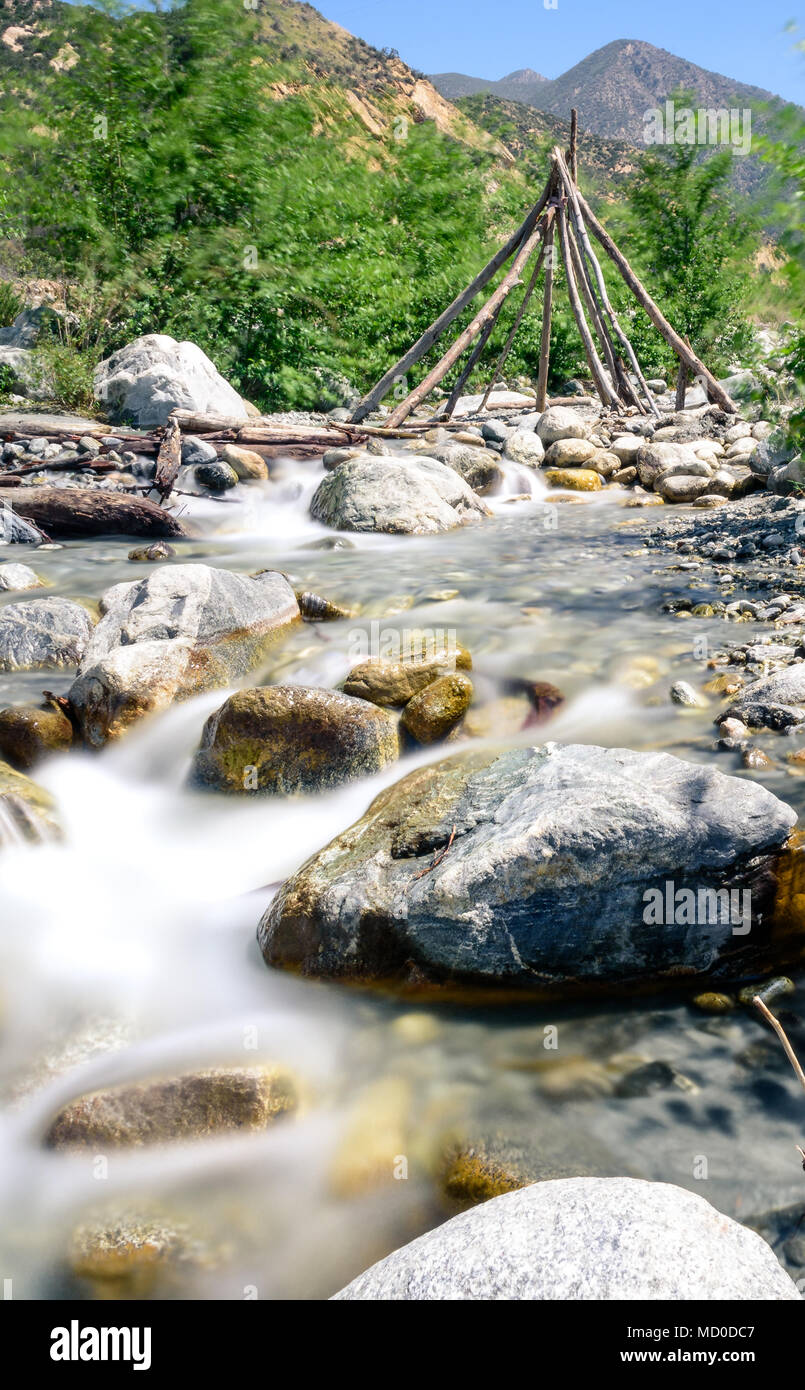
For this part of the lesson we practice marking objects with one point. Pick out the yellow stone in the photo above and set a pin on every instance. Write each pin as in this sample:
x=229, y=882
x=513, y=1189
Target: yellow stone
x=577, y=479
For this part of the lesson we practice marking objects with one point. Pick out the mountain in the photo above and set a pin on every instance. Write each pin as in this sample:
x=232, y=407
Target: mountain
x=615, y=86
x=522, y=85
x=612, y=88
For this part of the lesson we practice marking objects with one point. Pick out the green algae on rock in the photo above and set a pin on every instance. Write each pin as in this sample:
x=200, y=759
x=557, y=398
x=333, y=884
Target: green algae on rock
x=286, y=740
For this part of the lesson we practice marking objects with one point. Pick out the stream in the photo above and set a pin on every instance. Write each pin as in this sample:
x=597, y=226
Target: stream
x=128, y=949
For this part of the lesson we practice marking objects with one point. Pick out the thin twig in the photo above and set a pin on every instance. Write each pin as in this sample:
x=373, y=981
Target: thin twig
x=780, y=1031
x=437, y=859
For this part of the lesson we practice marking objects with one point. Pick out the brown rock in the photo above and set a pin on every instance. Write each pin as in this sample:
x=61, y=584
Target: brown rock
x=433, y=713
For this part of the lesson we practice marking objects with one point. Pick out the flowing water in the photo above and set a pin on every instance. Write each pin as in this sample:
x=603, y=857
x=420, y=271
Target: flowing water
x=128, y=948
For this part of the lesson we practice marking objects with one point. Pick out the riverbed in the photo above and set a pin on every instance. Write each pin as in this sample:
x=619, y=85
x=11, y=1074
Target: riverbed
x=128, y=949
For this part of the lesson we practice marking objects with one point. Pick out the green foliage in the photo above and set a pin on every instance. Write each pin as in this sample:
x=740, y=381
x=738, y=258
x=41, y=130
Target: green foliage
x=160, y=168
x=694, y=252
x=10, y=303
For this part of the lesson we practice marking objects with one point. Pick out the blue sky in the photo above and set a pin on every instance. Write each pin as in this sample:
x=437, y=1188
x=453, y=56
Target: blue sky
x=742, y=39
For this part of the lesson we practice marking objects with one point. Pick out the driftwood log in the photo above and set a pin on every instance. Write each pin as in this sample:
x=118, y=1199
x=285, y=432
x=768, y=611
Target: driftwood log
x=67, y=513
x=169, y=460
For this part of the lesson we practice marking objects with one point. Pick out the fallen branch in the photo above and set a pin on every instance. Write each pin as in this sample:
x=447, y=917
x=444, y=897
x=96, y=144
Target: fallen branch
x=787, y=1048
x=436, y=861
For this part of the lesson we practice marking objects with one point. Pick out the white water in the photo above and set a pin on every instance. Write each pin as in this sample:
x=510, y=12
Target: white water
x=127, y=950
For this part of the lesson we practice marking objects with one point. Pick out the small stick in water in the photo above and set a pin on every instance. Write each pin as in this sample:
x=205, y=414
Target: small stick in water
x=788, y=1049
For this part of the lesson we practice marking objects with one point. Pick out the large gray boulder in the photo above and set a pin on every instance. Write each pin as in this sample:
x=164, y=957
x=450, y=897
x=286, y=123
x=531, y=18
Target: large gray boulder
x=786, y=687
x=26, y=373
x=25, y=330
x=544, y=868
x=181, y=630
x=154, y=375
x=286, y=740
x=43, y=634
x=412, y=495
x=598, y=1239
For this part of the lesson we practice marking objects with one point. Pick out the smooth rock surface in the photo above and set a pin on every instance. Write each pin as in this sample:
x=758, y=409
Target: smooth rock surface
x=288, y=740
x=582, y=1238
x=154, y=375
x=43, y=634
x=555, y=854
x=181, y=630
x=412, y=495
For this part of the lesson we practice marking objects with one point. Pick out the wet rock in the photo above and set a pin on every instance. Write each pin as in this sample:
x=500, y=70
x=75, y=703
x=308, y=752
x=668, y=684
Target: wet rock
x=755, y=759
x=196, y=451
x=768, y=991
x=288, y=740
x=576, y=479
x=194, y=1106
x=415, y=495
x=486, y=1162
x=216, y=475
x=581, y=1238
x=27, y=812
x=432, y=713
x=683, y=694
x=786, y=687
x=560, y=422
x=43, y=634
x=650, y=1077
x=625, y=476
x=552, y=878
x=567, y=453
x=333, y=457
x=181, y=630
x=28, y=734
x=160, y=550
x=154, y=375
x=16, y=578
x=248, y=465
x=390, y=683
x=713, y=1002
x=479, y=468
x=315, y=609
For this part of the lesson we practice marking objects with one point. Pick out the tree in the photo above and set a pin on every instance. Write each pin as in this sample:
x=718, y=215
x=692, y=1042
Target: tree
x=693, y=248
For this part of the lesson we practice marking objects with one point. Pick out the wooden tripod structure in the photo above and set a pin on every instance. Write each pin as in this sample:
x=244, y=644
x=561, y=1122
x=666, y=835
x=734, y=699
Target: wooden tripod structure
x=561, y=213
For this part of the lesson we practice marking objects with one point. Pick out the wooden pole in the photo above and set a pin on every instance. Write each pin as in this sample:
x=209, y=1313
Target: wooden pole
x=575, y=202
x=672, y=338
x=470, y=333
x=574, y=144
x=474, y=356
x=521, y=311
x=602, y=386
x=582, y=279
x=425, y=342
x=547, y=305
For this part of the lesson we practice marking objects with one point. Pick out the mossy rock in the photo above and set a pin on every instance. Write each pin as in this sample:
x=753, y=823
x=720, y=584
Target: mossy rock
x=27, y=812
x=389, y=683
x=287, y=740
x=577, y=479
x=432, y=713
x=28, y=733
